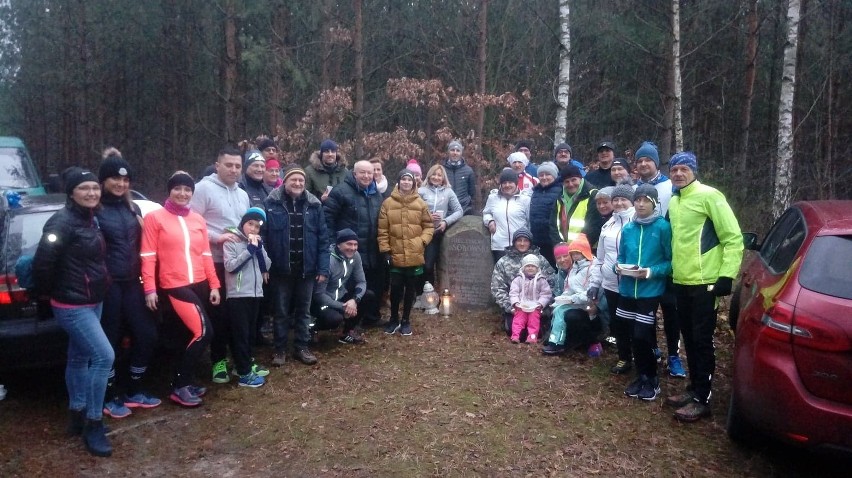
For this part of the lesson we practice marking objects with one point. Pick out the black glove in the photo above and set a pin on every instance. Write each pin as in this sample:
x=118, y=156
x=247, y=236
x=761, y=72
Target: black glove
x=593, y=293
x=723, y=286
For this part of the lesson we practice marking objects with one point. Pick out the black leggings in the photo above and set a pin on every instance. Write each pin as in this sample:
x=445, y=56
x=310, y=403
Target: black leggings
x=431, y=258
x=187, y=302
x=403, y=287
x=124, y=310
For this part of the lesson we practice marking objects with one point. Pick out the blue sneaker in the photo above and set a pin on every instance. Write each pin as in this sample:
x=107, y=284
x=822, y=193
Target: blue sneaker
x=197, y=391
x=405, y=329
x=252, y=380
x=184, y=396
x=392, y=327
x=658, y=354
x=141, y=400
x=676, y=367
x=115, y=408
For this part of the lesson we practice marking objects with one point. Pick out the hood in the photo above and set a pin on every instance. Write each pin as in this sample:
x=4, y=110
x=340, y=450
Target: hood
x=405, y=199
x=214, y=178
x=316, y=161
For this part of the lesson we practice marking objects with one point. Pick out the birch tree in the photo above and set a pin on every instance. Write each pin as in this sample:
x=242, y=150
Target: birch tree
x=677, y=83
x=784, y=164
x=563, y=91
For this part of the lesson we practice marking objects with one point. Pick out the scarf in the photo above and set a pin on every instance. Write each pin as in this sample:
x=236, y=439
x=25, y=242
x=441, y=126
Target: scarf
x=175, y=209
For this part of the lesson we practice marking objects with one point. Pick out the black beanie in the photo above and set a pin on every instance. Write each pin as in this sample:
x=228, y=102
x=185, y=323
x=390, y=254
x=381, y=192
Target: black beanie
x=114, y=166
x=344, y=235
x=508, y=176
x=74, y=176
x=180, y=178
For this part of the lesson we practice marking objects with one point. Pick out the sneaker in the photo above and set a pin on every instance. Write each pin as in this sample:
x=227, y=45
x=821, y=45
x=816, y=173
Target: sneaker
x=515, y=340
x=141, y=400
x=353, y=337
x=405, y=329
x=279, y=359
x=676, y=367
x=197, y=391
x=680, y=400
x=220, y=372
x=692, y=412
x=635, y=386
x=595, y=350
x=552, y=349
x=531, y=339
x=650, y=389
x=658, y=354
x=115, y=408
x=259, y=370
x=184, y=396
x=304, y=355
x=392, y=327
x=621, y=367
x=252, y=380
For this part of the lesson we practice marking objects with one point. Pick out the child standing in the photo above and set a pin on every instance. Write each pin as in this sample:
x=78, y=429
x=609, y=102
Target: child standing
x=646, y=244
x=571, y=318
x=529, y=294
x=246, y=266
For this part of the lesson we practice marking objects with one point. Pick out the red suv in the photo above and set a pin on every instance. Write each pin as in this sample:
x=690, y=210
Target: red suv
x=792, y=313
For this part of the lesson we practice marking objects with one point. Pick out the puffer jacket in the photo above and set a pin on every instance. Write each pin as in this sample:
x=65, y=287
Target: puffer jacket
x=443, y=199
x=542, y=204
x=276, y=235
x=463, y=180
x=525, y=290
x=69, y=263
x=607, y=254
x=318, y=176
x=405, y=228
x=121, y=225
x=356, y=208
x=243, y=272
x=507, y=269
x=509, y=215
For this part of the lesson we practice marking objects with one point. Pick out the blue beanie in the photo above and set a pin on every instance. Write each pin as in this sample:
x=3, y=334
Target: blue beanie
x=685, y=158
x=328, y=145
x=648, y=150
x=255, y=213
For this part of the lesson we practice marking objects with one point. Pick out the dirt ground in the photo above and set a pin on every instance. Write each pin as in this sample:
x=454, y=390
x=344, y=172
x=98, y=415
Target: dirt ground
x=455, y=399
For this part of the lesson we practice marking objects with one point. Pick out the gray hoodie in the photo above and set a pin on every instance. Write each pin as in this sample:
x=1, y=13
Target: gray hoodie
x=221, y=206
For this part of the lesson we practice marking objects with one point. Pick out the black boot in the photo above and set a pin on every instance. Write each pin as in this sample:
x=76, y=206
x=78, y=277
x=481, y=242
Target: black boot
x=76, y=420
x=94, y=436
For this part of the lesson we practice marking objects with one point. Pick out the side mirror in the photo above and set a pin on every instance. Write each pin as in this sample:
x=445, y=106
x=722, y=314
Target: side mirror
x=750, y=241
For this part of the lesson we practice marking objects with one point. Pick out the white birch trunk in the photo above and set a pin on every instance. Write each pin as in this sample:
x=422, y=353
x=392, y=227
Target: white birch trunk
x=784, y=165
x=678, y=82
x=563, y=92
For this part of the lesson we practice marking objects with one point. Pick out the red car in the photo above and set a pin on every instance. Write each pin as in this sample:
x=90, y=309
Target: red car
x=792, y=313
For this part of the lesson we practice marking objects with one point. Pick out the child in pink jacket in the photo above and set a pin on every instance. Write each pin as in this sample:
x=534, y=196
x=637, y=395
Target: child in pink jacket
x=530, y=293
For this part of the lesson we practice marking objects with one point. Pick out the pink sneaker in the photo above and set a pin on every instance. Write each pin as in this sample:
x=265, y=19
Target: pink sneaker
x=595, y=350
x=531, y=339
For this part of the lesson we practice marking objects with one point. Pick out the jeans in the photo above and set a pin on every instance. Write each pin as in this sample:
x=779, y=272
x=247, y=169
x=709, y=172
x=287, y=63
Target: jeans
x=292, y=290
x=90, y=358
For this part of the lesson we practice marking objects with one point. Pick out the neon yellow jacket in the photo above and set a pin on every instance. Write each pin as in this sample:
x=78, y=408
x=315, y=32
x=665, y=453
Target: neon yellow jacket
x=706, y=239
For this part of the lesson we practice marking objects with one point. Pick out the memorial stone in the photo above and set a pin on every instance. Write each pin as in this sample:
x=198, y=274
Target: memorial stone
x=465, y=263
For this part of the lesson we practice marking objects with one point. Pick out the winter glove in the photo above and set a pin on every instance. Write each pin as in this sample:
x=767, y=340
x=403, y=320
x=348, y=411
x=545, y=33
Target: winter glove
x=593, y=293
x=723, y=286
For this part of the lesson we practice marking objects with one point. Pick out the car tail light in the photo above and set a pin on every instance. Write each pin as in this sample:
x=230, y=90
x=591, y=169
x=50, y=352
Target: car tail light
x=811, y=332
x=778, y=322
x=11, y=292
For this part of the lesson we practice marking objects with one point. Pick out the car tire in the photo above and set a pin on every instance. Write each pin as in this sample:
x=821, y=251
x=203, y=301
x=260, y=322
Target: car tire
x=734, y=307
x=737, y=427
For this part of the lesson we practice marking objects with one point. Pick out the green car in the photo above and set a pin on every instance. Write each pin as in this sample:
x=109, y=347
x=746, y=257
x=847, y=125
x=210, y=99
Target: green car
x=17, y=172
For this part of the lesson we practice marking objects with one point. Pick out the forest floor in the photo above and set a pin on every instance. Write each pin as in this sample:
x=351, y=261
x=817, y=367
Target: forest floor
x=455, y=399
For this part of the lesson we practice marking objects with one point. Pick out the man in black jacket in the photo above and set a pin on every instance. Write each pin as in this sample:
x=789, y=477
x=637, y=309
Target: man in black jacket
x=354, y=204
x=601, y=177
x=461, y=177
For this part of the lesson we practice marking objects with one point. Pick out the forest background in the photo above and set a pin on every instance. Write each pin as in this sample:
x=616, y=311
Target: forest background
x=169, y=82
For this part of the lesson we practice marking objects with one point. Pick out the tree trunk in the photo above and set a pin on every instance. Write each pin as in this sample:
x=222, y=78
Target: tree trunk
x=279, y=57
x=676, y=78
x=326, y=22
x=784, y=165
x=563, y=90
x=748, y=86
x=482, y=58
x=229, y=80
x=357, y=44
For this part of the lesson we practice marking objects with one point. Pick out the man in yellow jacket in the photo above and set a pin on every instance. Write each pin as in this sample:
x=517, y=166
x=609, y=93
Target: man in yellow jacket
x=707, y=248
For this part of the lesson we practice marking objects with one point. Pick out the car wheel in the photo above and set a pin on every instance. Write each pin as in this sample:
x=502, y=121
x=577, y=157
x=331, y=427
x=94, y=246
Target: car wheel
x=737, y=427
x=734, y=307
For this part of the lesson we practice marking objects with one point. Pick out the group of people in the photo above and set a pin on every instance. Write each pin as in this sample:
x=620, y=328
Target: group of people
x=626, y=240
x=319, y=246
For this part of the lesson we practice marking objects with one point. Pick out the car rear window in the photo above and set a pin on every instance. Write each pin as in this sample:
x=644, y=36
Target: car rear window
x=16, y=170
x=22, y=237
x=826, y=268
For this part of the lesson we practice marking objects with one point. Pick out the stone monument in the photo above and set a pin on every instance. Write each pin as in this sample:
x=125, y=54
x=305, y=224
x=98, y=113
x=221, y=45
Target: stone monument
x=465, y=263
